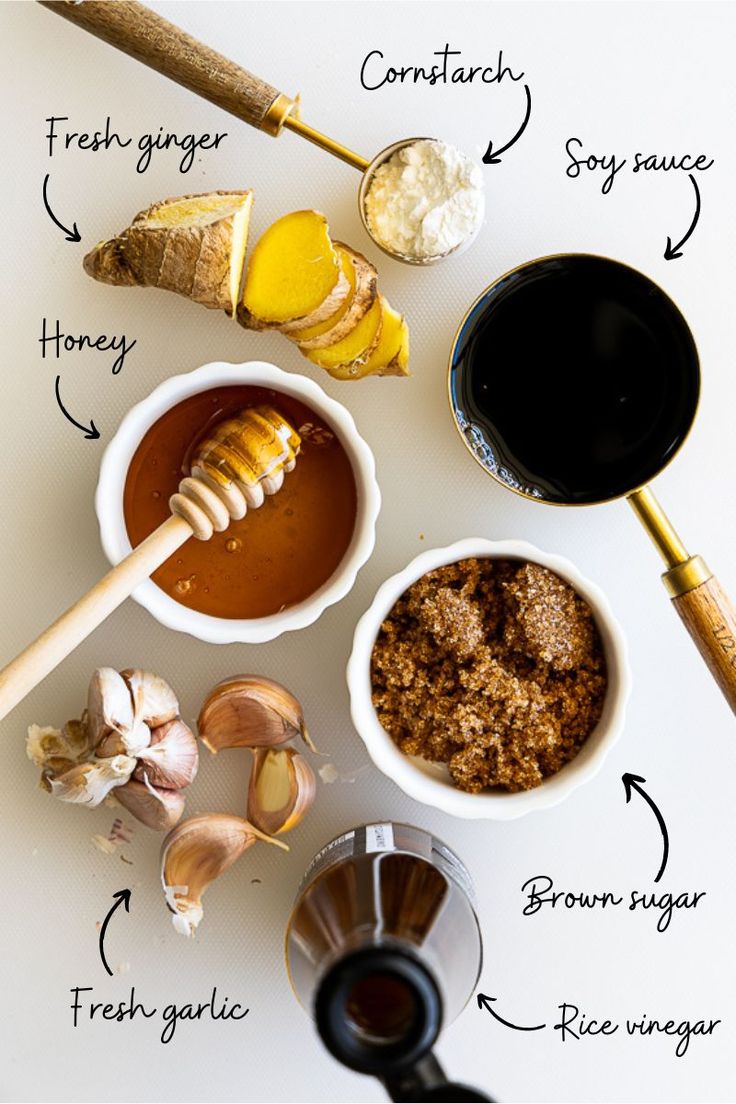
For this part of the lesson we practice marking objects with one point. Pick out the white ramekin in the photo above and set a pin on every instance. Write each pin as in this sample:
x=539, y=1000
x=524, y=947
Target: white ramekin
x=119, y=453
x=430, y=782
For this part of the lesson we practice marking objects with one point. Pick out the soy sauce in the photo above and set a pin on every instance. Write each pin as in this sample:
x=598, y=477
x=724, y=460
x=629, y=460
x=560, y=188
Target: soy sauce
x=575, y=379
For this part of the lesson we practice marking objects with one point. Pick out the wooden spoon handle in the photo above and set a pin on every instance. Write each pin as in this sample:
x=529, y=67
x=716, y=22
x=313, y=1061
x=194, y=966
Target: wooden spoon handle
x=69, y=630
x=146, y=36
x=710, y=618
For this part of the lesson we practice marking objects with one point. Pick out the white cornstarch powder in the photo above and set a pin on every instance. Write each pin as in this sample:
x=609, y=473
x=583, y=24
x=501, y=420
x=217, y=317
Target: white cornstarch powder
x=425, y=200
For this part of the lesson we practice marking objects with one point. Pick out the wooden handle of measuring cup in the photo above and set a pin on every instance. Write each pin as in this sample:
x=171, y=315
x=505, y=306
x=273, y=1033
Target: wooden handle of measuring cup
x=146, y=36
x=69, y=630
x=709, y=616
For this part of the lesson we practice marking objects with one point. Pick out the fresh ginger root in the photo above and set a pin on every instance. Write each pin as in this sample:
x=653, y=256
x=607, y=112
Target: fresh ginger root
x=320, y=294
x=193, y=245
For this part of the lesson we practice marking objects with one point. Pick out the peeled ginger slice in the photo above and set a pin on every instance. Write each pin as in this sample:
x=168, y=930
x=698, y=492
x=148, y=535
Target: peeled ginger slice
x=390, y=357
x=362, y=277
x=294, y=329
x=354, y=349
x=293, y=273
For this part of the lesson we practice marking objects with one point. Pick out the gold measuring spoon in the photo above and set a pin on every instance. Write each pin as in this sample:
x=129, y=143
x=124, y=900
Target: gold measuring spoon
x=238, y=463
x=146, y=36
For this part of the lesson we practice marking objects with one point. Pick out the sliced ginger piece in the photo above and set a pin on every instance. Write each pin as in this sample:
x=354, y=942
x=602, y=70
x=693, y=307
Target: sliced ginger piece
x=390, y=357
x=293, y=274
x=356, y=347
x=193, y=245
x=293, y=329
x=362, y=278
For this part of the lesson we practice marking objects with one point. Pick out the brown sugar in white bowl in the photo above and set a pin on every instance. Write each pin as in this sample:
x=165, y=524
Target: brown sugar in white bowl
x=430, y=781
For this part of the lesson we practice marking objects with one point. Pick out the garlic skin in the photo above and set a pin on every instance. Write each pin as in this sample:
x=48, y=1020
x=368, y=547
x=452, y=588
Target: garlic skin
x=281, y=790
x=153, y=699
x=156, y=808
x=197, y=852
x=250, y=711
x=172, y=757
x=44, y=742
x=89, y=783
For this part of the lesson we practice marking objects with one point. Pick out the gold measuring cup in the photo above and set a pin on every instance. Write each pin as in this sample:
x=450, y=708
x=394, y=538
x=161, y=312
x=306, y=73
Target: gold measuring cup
x=146, y=36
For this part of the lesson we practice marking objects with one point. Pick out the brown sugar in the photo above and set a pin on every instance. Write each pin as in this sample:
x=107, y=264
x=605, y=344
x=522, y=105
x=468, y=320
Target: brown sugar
x=494, y=667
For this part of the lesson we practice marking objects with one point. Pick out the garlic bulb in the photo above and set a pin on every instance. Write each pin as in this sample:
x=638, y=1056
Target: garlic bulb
x=197, y=852
x=281, y=791
x=250, y=711
x=172, y=757
x=130, y=739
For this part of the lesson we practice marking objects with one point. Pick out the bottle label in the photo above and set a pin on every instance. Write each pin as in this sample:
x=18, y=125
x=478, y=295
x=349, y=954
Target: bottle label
x=379, y=837
x=383, y=837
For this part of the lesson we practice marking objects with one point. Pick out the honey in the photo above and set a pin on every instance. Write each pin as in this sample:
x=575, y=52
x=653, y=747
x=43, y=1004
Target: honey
x=279, y=554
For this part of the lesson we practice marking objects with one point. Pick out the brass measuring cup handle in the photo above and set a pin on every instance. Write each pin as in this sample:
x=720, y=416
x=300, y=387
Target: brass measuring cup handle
x=146, y=36
x=704, y=608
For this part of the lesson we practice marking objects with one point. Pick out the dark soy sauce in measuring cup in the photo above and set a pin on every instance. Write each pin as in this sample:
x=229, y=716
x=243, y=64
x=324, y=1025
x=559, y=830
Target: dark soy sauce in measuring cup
x=574, y=379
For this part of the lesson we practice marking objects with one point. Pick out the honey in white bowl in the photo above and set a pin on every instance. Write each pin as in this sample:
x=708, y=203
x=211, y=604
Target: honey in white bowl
x=278, y=555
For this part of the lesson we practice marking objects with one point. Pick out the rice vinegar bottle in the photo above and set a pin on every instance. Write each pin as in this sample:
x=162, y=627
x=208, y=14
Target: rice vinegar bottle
x=383, y=947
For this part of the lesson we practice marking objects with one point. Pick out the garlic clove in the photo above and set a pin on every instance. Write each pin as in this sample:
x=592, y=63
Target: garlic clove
x=172, y=758
x=137, y=739
x=109, y=705
x=89, y=783
x=132, y=742
x=153, y=699
x=53, y=768
x=156, y=808
x=281, y=791
x=250, y=711
x=194, y=854
x=76, y=735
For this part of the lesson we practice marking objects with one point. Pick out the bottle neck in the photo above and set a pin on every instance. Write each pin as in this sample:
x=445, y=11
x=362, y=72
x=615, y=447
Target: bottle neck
x=426, y=1082
x=378, y=1010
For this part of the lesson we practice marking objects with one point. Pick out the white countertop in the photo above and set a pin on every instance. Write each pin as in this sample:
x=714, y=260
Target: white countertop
x=621, y=78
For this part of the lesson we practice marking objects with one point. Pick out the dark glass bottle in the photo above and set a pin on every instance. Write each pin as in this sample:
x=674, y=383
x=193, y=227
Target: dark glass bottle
x=383, y=947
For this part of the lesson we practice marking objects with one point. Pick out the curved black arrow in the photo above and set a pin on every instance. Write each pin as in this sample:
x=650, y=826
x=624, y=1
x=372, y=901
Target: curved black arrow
x=491, y=158
x=121, y=895
x=71, y=235
x=485, y=1002
x=672, y=252
x=91, y=432
x=631, y=782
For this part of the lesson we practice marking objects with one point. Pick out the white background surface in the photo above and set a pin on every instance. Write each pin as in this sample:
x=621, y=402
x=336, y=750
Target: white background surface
x=621, y=77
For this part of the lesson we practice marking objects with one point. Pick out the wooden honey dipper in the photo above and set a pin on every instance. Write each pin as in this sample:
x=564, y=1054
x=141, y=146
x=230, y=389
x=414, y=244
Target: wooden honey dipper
x=232, y=469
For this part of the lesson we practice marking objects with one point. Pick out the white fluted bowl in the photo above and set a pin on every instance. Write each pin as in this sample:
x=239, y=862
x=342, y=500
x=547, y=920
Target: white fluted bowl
x=114, y=469
x=429, y=782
